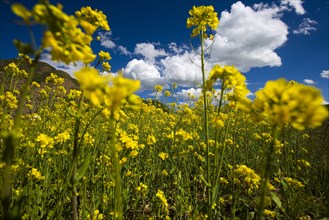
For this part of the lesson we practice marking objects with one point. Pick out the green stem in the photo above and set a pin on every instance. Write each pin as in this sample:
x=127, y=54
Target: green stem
x=267, y=174
x=118, y=210
x=75, y=156
x=206, y=125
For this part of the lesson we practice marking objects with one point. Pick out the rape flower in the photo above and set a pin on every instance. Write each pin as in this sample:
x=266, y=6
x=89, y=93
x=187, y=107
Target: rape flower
x=133, y=153
x=62, y=137
x=162, y=197
x=10, y=100
x=158, y=88
x=14, y=70
x=297, y=104
x=167, y=93
x=164, y=173
x=45, y=141
x=202, y=17
x=142, y=188
x=55, y=79
x=230, y=79
x=68, y=42
x=150, y=140
x=94, y=17
x=248, y=175
x=110, y=91
x=34, y=173
x=294, y=183
x=163, y=155
x=106, y=66
x=104, y=55
x=269, y=213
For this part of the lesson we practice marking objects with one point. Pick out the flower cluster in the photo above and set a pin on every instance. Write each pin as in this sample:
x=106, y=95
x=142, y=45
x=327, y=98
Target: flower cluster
x=109, y=91
x=230, y=78
x=202, y=17
x=68, y=42
x=297, y=104
x=248, y=175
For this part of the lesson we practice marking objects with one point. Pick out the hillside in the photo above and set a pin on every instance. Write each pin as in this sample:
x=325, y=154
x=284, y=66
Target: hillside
x=43, y=70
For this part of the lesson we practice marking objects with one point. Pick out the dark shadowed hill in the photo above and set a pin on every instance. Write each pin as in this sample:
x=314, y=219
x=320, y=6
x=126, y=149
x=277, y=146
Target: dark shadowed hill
x=42, y=71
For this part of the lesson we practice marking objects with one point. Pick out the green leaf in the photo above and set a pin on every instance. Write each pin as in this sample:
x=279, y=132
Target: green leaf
x=205, y=181
x=276, y=199
x=82, y=170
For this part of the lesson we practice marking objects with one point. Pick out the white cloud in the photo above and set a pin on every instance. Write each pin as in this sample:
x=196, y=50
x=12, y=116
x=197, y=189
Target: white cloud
x=248, y=37
x=182, y=69
x=325, y=74
x=306, y=27
x=123, y=50
x=309, y=81
x=176, y=49
x=146, y=72
x=296, y=4
x=187, y=94
x=158, y=95
x=106, y=40
x=148, y=51
x=324, y=102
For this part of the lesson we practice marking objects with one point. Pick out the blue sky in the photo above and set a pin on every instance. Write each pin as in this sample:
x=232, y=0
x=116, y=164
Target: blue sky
x=149, y=41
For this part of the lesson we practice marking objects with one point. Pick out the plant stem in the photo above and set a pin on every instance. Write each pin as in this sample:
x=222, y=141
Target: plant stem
x=118, y=211
x=267, y=173
x=206, y=124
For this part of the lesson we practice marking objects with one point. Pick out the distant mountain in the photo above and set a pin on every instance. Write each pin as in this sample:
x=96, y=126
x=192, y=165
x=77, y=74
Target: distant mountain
x=43, y=70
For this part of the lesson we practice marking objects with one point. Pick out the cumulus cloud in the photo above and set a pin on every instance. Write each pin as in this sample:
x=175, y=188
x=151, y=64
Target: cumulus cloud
x=187, y=94
x=306, y=27
x=106, y=40
x=182, y=69
x=309, y=81
x=146, y=72
x=295, y=4
x=248, y=37
x=123, y=50
x=325, y=74
x=149, y=52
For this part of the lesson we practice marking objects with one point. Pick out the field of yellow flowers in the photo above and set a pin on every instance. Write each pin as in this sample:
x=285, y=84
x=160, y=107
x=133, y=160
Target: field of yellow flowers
x=101, y=152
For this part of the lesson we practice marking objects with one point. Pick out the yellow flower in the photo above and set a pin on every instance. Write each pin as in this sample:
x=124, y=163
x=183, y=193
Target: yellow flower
x=164, y=173
x=106, y=66
x=62, y=137
x=167, y=93
x=297, y=104
x=21, y=11
x=162, y=197
x=133, y=153
x=158, y=88
x=269, y=213
x=248, y=175
x=202, y=17
x=294, y=183
x=231, y=79
x=68, y=42
x=34, y=173
x=104, y=55
x=94, y=17
x=150, y=140
x=45, y=141
x=163, y=155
